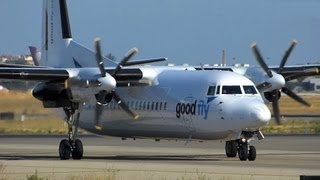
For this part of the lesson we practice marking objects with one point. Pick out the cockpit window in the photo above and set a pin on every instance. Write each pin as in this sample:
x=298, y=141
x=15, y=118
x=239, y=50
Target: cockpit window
x=249, y=90
x=231, y=90
x=211, y=90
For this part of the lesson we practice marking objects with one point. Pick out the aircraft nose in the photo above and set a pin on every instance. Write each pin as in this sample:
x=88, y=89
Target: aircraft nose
x=260, y=114
x=249, y=114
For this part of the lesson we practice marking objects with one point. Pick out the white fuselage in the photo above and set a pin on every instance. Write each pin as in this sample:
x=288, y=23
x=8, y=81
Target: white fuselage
x=178, y=105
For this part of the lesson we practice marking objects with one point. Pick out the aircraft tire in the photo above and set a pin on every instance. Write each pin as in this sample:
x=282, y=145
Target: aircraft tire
x=252, y=153
x=231, y=148
x=64, y=149
x=243, y=151
x=77, y=151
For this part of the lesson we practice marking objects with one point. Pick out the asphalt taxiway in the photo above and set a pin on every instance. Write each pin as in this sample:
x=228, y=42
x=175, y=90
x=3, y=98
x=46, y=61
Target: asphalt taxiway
x=279, y=157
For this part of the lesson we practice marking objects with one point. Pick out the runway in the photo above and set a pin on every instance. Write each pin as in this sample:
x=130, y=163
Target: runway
x=279, y=157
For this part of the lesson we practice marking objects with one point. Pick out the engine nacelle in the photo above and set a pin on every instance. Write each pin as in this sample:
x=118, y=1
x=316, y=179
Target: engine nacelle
x=52, y=95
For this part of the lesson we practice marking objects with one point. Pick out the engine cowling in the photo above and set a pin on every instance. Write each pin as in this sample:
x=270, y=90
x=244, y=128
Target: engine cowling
x=52, y=95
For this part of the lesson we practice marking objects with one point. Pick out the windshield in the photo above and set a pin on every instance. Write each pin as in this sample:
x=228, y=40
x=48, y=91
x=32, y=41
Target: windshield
x=231, y=90
x=249, y=90
x=211, y=90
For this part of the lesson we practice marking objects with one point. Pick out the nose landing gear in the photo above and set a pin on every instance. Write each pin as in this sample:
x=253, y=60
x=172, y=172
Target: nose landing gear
x=246, y=151
x=242, y=146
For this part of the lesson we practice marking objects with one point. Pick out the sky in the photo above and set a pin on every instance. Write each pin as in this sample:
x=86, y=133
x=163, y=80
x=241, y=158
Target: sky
x=184, y=31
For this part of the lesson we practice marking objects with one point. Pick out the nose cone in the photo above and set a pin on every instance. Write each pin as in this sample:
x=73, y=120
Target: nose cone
x=277, y=81
x=255, y=115
x=260, y=115
x=108, y=83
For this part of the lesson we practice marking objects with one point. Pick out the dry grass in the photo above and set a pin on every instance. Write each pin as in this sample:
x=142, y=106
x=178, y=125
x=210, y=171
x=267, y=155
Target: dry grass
x=36, y=118
x=296, y=125
x=289, y=106
x=19, y=102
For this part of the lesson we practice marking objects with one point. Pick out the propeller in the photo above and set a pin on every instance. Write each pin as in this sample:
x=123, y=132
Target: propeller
x=111, y=93
x=276, y=80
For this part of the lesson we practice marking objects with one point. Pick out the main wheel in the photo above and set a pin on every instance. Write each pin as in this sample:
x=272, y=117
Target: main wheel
x=231, y=148
x=252, y=153
x=64, y=149
x=77, y=151
x=243, y=152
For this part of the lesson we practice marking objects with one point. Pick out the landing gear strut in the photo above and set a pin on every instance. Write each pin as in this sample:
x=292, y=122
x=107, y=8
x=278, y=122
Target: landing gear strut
x=242, y=146
x=71, y=146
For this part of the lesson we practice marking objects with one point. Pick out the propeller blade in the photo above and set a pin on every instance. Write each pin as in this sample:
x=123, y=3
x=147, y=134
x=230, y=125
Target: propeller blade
x=123, y=105
x=286, y=55
x=295, y=96
x=125, y=59
x=144, y=61
x=275, y=106
x=99, y=57
x=99, y=108
x=260, y=60
x=296, y=76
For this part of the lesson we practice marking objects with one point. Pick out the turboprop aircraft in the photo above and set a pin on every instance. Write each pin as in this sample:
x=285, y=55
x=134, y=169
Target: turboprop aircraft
x=270, y=81
x=138, y=101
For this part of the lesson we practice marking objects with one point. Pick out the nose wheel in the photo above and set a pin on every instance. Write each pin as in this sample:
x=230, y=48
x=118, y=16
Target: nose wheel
x=247, y=152
x=71, y=147
x=231, y=148
x=242, y=147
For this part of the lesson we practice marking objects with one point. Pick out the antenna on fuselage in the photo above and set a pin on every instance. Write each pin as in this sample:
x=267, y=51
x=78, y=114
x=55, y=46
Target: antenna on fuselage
x=223, y=60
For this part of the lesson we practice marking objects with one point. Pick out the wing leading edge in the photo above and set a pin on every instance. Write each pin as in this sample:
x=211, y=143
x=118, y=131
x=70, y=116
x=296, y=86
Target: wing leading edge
x=34, y=74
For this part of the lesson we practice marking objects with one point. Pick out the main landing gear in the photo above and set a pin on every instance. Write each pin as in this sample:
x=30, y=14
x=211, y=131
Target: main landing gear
x=71, y=146
x=242, y=146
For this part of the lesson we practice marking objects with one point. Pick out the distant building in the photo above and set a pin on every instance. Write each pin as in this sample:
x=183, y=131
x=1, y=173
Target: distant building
x=22, y=59
x=312, y=85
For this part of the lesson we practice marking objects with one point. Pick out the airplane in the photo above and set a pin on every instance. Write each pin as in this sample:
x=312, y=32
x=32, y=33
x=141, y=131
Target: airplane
x=270, y=81
x=129, y=100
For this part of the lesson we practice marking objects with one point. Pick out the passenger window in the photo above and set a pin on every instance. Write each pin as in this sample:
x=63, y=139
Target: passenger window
x=140, y=105
x=231, y=90
x=211, y=90
x=249, y=90
x=144, y=105
x=137, y=105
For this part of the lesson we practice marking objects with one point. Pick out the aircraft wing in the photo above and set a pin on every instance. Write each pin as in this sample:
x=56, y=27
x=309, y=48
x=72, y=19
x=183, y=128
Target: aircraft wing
x=288, y=72
x=298, y=71
x=125, y=77
x=34, y=74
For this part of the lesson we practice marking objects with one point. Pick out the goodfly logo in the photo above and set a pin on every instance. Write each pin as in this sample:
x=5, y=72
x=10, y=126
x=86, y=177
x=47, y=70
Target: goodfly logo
x=197, y=108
